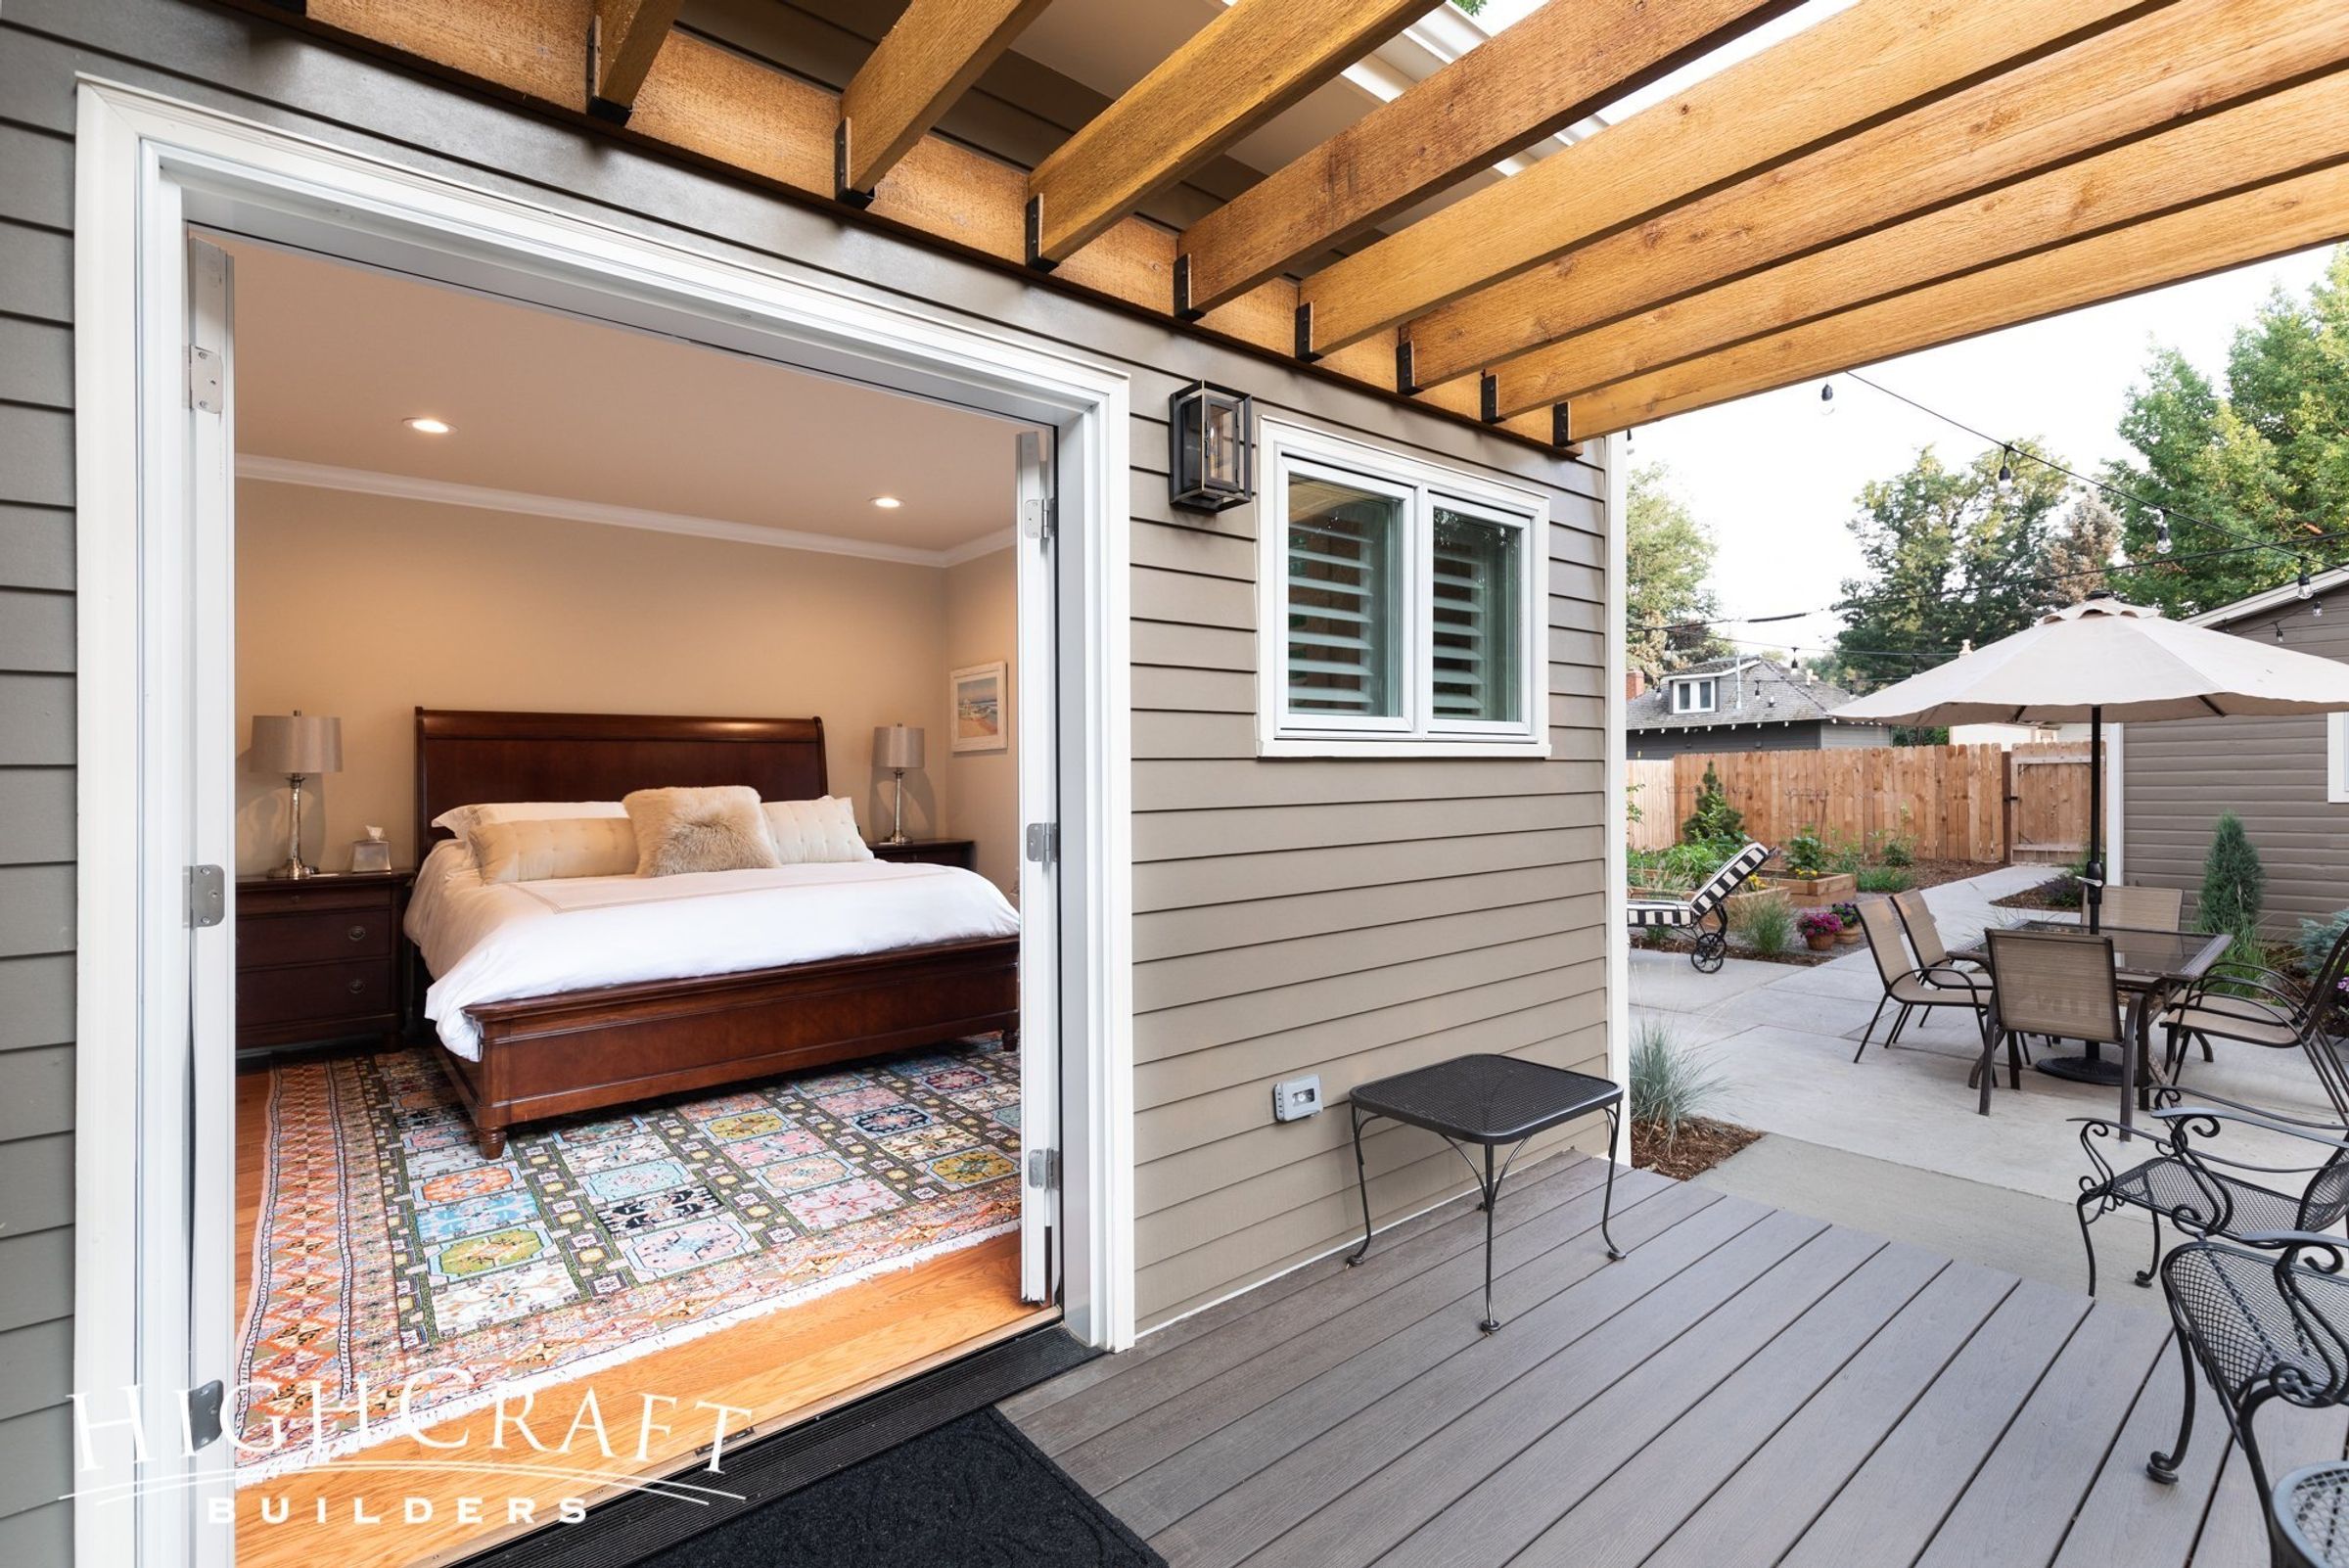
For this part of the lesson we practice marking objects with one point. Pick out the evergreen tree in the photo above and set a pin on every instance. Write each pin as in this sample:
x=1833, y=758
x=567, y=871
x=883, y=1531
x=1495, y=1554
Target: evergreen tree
x=1714, y=818
x=2082, y=550
x=2233, y=885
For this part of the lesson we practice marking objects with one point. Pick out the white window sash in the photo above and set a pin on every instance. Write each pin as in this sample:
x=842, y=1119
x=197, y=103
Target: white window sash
x=1281, y=639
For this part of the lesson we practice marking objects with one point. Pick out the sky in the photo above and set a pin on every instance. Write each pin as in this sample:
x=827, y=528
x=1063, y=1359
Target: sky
x=1778, y=480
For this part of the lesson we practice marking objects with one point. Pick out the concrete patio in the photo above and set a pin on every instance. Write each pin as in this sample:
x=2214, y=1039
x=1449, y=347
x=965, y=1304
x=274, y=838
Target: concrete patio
x=1891, y=1143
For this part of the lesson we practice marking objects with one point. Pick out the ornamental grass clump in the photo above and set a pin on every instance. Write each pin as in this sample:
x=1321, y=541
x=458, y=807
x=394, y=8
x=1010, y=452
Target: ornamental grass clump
x=1668, y=1085
x=1768, y=925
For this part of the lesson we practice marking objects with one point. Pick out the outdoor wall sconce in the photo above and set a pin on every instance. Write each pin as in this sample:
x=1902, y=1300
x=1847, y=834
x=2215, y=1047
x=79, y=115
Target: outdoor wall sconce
x=1211, y=460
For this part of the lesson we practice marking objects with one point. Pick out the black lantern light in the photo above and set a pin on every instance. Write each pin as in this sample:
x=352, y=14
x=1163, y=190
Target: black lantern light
x=1210, y=463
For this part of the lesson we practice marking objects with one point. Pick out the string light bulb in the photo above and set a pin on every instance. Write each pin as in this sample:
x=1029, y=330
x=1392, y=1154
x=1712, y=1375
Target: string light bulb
x=2161, y=532
x=2301, y=587
x=1826, y=398
x=2005, y=465
x=2279, y=632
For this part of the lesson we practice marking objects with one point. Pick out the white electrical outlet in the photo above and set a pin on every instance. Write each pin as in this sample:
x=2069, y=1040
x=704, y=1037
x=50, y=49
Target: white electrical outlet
x=1297, y=1099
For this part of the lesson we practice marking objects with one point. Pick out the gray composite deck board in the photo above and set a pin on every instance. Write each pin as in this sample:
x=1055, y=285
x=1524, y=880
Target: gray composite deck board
x=1747, y=1386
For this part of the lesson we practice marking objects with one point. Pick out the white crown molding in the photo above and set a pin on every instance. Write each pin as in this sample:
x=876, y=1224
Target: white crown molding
x=444, y=492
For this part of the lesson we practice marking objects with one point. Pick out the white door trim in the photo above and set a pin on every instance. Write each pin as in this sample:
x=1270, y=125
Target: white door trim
x=145, y=167
x=1615, y=452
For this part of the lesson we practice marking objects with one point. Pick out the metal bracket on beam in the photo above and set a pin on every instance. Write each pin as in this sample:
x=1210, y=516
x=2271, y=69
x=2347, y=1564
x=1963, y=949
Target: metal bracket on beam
x=1561, y=426
x=842, y=190
x=1182, y=291
x=1035, y=236
x=1407, y=379
x=598, y=106
x=1305, y=333
x=1487, y=399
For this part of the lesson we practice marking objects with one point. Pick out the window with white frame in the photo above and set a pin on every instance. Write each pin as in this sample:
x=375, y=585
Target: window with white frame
x=1399, y=606
x=1695, y=696
x=2336, y=758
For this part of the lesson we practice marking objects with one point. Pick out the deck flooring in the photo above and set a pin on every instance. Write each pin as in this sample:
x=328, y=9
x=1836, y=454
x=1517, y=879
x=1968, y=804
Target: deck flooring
x=1747, y=1386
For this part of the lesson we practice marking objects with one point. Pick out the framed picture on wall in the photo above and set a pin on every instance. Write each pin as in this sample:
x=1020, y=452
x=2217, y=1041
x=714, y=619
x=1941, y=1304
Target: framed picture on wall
x=980, y=722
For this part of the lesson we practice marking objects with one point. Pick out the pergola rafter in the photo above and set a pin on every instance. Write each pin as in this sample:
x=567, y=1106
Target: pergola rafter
x=1901, y=173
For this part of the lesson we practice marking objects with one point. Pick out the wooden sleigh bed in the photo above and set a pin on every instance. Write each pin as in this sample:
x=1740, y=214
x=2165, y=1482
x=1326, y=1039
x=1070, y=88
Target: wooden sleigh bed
x=586, y=1050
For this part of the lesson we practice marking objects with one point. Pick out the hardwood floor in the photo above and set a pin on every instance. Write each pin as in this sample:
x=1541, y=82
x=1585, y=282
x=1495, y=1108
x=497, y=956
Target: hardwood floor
x=785, y=1368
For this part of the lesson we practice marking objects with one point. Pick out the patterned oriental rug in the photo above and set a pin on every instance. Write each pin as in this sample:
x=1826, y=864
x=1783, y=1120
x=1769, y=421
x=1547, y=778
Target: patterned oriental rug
x=391, y=1256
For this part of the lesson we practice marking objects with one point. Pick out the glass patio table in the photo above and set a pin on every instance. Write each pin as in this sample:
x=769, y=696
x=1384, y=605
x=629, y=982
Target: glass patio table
x=2146, y=965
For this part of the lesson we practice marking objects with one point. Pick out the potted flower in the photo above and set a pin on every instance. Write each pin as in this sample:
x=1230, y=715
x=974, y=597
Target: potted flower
x=1819, y=928
x=1849, y=914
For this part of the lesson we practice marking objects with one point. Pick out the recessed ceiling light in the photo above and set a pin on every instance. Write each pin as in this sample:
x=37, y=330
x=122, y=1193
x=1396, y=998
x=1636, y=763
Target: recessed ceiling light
x=887, y=503
x=426, y=424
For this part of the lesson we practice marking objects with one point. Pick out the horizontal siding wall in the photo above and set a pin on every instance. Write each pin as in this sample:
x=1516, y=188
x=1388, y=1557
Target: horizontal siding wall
x=1353, y=918
x=2178, y=777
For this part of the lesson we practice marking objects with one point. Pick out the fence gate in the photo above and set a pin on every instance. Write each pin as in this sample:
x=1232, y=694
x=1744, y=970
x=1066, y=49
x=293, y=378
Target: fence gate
x=2048, y=788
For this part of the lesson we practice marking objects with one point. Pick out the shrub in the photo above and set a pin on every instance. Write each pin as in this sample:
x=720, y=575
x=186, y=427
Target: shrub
x=2233, y=882
x=1714, y=818
x=1818, y=923
x=1883, y=879
x=1668, y=1085
x=1768, y=926
x=2317, y=938
x=1806, y=856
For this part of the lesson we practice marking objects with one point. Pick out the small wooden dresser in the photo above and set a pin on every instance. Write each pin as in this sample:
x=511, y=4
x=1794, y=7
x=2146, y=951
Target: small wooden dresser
x=319, y=959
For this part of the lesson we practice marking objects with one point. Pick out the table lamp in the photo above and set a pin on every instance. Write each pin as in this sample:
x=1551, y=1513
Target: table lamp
x=296, y=746
x=898, y=747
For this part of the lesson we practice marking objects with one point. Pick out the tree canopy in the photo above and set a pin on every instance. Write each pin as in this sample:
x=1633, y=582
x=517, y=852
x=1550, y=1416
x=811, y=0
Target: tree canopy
x=1668, y=560
x=2264, y=457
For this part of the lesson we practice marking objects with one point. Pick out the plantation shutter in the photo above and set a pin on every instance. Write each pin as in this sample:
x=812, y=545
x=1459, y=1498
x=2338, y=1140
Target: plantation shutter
x=1343, y=590
x=1475, y=650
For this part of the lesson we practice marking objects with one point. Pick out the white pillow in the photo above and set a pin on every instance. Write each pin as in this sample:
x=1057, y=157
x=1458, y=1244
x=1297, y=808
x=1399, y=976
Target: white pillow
x=815, y=832
x=463, y=819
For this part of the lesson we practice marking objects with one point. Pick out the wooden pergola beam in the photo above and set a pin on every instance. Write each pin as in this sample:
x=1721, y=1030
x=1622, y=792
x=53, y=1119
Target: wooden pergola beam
x=2271, y=220
x=1253, y=60
x=2192, y=58
x=1535, y=78
x=622, y=41
x=930, y=58
x=1877, y=58
x=2290, y=132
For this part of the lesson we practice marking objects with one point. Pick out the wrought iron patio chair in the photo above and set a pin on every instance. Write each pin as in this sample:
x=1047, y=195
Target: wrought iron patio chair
x=2262, y=1317
x=2310, y=1517
x=2200, y=1192
x=2251, y=1006
x=1706, y=910
x=2048, y=983
x=2135, y=907
x=1911, y=985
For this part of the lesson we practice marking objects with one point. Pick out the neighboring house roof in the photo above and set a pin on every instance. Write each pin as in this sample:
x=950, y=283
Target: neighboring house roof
x=1748, y=690
x=2283, y=598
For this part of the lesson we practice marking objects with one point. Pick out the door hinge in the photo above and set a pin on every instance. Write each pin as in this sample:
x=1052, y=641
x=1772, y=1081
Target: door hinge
x=1043, y=1169
x=204, y=379
x=1042, y=518
x=204, y=1414
x=1043, y=843
x=207, y=895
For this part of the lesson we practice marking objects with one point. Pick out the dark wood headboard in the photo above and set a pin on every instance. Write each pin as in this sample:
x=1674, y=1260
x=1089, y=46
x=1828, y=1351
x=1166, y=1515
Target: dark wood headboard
x=465, y=759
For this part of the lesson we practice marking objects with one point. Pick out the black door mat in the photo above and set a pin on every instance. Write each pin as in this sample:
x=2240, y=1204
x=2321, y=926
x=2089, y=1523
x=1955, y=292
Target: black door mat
x=641, y=1525
x=972, y=1494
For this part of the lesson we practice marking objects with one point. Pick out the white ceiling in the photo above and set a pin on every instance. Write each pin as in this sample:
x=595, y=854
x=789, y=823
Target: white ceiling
x=331, y=360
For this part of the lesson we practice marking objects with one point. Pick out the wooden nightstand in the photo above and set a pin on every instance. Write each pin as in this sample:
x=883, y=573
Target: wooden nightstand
x=963, y=852
x=319, y=959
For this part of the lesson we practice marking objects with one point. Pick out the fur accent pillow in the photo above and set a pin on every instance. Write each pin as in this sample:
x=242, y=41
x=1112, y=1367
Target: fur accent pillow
x=543, y=850
x=685, y=830
x=817, y=831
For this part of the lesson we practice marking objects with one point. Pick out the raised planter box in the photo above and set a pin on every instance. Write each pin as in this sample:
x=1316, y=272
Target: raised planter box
x=1809, y=892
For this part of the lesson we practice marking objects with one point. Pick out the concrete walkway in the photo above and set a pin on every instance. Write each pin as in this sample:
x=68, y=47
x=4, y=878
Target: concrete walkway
x=1892, y=1143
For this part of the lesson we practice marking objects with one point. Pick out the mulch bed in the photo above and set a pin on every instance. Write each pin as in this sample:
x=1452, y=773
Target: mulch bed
x=1799, y=955
x=1700, y=1144
x=2039, y=896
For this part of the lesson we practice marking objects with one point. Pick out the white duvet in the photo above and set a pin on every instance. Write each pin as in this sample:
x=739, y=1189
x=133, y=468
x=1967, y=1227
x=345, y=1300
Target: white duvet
x=487, y=942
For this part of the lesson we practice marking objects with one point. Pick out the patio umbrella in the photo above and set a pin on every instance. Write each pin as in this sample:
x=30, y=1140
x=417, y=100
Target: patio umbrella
x=2102, y=658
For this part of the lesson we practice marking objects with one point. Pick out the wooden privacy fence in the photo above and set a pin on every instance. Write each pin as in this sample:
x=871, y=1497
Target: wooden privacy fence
x=1950, y=802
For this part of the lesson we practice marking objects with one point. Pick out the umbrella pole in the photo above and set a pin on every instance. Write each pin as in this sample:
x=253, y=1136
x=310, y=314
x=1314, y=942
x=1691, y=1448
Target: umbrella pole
x=2092, y=875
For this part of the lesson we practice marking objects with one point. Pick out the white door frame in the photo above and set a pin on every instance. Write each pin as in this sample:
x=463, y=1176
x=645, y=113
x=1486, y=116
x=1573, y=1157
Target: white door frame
x=147, y=165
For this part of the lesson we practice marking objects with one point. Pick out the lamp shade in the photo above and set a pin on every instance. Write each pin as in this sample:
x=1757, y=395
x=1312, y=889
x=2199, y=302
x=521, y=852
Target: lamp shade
x=297, y=743
x=897, y=746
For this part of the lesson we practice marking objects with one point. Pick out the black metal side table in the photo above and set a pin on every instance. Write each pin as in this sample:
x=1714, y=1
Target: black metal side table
x=2310, y=1511
x=1489, y=1101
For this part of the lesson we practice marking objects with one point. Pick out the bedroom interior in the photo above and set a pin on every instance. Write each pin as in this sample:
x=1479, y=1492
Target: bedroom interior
x=577, y=605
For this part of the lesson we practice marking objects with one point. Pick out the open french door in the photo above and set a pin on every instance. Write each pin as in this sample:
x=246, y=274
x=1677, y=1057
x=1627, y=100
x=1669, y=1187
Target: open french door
x=1035, y=720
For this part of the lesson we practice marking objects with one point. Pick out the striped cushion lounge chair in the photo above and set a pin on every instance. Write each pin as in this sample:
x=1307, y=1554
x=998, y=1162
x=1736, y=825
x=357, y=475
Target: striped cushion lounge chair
x=1707, y=909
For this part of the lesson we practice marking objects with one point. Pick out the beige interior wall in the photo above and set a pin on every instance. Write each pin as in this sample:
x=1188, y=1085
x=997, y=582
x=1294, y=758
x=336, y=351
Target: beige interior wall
x=366, y=606
x=983, y=788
